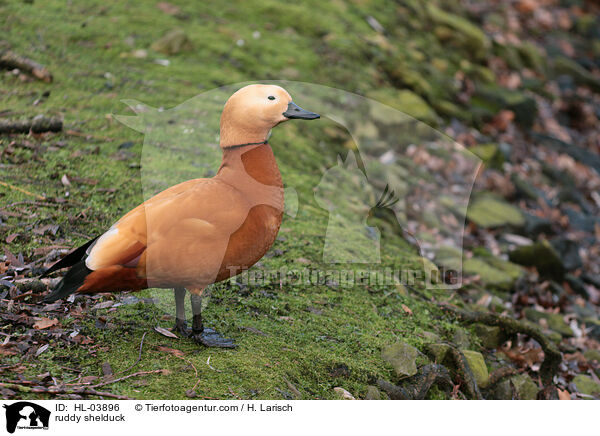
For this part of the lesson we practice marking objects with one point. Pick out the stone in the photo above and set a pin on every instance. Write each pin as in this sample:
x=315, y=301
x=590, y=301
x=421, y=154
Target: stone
x=525, y=388
x=534, y=226
x=173, y=42
x=461, y=338
x=554, y=321
x=374, y=394
x=437, y=351
x=489, y=154
x=586, y=385
x=478, y=367
x=498, y=98
x=343, y=394
x=489, y=275
x=402, y=357
x=491, y=336
x=489, y=212
x=503, y=391
x=563, y=65
x=461, y=31
x=405, y=101
x=568, y=252
x=542, y=255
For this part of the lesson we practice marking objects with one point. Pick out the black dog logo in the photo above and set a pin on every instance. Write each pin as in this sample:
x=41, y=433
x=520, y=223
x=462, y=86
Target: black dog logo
x=26, y=415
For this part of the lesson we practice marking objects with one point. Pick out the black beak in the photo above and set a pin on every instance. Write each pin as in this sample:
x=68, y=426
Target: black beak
x=296, y=112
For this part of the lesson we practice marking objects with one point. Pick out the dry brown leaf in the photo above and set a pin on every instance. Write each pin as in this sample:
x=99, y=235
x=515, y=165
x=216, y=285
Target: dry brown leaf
x=44, y=323
x=407, y=309
x=563, y=395
x=163, y=331
x=172, y=351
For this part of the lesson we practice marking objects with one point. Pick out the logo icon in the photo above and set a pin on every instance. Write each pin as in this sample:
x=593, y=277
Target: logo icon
x=26, y=415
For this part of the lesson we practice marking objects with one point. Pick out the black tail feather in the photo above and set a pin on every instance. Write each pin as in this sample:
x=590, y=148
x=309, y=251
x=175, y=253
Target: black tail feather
x=70, y=282
x=70, y=259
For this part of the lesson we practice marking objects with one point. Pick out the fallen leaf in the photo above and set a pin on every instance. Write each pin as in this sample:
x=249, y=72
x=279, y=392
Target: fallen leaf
x=563, y=395
x=407, y=309
x=11, y=237
x=172, y=351
x=163, y=331
x=44, y=323
x=41, y=349
x=65, y=180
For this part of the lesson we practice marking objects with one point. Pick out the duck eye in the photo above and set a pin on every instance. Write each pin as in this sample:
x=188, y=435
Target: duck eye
x=270, y=97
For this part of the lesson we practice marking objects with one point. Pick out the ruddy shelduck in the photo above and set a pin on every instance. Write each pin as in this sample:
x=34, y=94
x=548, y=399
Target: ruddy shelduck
x=201, y=231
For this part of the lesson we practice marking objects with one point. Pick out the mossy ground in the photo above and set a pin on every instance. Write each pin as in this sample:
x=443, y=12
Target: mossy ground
x=315, y=336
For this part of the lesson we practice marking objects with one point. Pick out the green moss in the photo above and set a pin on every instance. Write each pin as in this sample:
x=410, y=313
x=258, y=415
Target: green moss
x=489, y=211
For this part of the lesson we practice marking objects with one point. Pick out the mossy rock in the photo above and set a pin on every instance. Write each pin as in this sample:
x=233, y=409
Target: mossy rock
x=563, y=65
x=491, y=336
x=374, y=394
x=489, y=154
x=542, y=255
x=525, y=388
x=555, y=321
x=437, y=351
x=463, y=33
x=478, y=367
x=407, y=102
x=498, y=98
x=586, y=385
x=489, y=274
x=402, y=357
x=489, y=212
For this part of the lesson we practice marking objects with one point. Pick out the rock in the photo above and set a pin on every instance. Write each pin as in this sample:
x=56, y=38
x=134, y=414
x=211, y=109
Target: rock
x=563, y=65
x=554, y=321
x=478, y=367
x=462, y=32
x=523, y=188
x=498, y=98
x=525, y=388
x=581, y=221
x=503, y=391
x=344, y=394
x=461, y=338
x=173, y=42
x=576, y=284
x=402, y=357
x=541, y=255
x=437, y=351
x=488, y=211
x=592, y=355
x=493, y=271
x=568, y=252
x=489, y=154
x=580, y=154
x=586, y=385
x=534, y=226
x=405, y=101
x=491, y=336
x=374, y=394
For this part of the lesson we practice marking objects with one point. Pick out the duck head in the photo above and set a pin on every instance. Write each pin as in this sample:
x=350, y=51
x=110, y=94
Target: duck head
x=251, y=112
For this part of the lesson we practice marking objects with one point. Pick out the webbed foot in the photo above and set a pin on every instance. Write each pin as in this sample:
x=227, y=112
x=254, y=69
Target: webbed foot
x=210, y=338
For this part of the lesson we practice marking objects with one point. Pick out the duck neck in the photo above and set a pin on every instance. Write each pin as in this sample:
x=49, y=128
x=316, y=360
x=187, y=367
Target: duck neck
x=243, y=166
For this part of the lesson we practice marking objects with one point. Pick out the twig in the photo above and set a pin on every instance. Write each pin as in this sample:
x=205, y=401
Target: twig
x=10, y=60
x=139, y=355
x=55, y=390
x=38, y=124
x=16, y=188
x=233, y=393
x=135, y=374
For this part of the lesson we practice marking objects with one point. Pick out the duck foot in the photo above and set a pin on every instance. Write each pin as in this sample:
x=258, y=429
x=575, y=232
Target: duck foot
x=182, y=328
x=210, y=338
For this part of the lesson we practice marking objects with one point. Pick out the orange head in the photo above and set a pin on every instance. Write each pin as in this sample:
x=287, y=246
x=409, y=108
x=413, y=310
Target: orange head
x=251, y=112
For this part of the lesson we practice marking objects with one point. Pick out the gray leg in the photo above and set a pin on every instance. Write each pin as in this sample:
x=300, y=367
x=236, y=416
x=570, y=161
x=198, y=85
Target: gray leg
x=204, y=335
x=180, y=323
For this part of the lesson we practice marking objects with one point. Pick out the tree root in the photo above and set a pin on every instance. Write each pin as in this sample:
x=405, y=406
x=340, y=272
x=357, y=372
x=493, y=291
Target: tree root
x=10, y=60
x=417, y=387
x=39, y=124
x=466, y=375
x=56, y=390
x=552, y=356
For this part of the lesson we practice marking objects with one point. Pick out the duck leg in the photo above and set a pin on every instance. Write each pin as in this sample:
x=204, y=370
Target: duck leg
x=180, y=323
x=203, y=335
